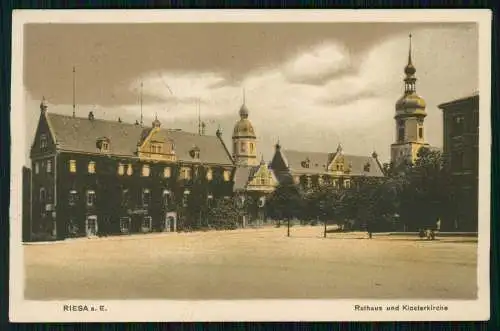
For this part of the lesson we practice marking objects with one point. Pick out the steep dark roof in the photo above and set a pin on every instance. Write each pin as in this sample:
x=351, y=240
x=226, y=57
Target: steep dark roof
x=80, y=135
x=319, y=161
x=241, y=177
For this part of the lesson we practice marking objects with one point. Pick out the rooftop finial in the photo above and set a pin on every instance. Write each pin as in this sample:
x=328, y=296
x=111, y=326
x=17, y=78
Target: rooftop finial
x=43, y=105
x=409, y=52
x=244, y=97
x=156, y=122
x=410, y=69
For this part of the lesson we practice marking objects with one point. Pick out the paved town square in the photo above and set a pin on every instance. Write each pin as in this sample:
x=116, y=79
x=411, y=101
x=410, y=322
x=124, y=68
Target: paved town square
x=252, y=264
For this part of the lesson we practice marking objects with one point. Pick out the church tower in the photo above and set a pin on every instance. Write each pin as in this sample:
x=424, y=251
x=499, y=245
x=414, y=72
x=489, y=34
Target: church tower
x=244, y=140
x=409, y=119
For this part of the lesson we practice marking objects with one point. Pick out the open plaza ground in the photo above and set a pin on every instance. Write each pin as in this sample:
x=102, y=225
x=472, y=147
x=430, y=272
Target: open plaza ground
x=252, y=264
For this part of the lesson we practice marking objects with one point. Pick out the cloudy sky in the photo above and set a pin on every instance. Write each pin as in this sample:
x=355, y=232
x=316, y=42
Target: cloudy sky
x=312, y=85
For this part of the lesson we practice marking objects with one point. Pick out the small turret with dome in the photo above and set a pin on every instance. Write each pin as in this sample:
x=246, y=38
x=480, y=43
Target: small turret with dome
x=244, y=139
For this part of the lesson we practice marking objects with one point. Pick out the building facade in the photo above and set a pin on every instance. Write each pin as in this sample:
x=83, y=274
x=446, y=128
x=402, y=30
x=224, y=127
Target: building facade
x=461, y=155
x=253, y=180
x=409, y=120
x=313, y=169
x=93, y=176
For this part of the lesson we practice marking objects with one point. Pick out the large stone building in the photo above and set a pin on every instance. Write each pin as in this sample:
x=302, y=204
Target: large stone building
x=409, y=119
x=461, y=154
x=312, y=169
x=90, y=175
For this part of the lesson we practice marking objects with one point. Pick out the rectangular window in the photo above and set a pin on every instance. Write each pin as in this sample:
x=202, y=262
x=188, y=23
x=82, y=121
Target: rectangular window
x=91, y=198
x=185, y=198
x=146, y=223
x=37, y=167
x=124, y=224
x=401, y=134
x=43, y=141
x=105, y=146
x=186, y=173
x=146, y=197
x=125, y=197
x=458, y=125
x=145, y=170
x=167, y=172
x=42, y=195
x=210, y=200
x=166, y=198
x=91, y=167
x=227, y=175
x=49, y=195
x=129, y=170
x=72, y=166
x=262, y=181
x=347, y=183
x=72, y=197
x=209, y=174
x=121, y=169
x=457, y=160
x=243, y=147
x=420, y=133
x=49, y=166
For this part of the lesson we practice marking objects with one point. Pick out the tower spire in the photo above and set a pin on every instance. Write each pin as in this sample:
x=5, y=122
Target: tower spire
x=74, y=91
x=244, y=97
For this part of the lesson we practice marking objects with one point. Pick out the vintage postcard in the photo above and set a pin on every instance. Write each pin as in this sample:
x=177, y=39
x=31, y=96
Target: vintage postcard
x=250, y=165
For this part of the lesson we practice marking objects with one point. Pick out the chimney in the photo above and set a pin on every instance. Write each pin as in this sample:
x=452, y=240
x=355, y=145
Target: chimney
x=91, y=115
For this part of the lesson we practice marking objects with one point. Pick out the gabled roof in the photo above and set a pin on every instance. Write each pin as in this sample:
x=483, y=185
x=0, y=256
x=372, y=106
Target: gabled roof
x=319, y=161
x=80, y=135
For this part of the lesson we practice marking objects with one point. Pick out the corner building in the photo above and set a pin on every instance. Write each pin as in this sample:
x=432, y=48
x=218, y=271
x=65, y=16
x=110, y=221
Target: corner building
x=461, y=155
x=91, y=176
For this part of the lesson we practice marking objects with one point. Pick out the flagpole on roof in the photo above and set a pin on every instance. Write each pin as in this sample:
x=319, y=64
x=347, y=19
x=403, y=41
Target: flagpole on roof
x=141, y=104
x=74, y=91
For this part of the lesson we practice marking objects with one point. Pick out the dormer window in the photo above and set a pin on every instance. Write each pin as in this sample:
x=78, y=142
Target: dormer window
x=305, y=163
x=367, y=167
x=102, y=144
x=195, y=152
x=43, y=141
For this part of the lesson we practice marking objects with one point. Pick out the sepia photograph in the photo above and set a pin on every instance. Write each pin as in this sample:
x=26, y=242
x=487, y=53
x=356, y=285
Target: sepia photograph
x=194, y=161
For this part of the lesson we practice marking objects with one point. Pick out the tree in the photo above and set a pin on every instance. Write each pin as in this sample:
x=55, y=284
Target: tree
x=425, y=194
x=223, y=215
x=285, y=202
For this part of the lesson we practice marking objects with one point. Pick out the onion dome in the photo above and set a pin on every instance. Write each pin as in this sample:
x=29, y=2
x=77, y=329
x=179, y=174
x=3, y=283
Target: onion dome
x=243, y=128
x=410, y=101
